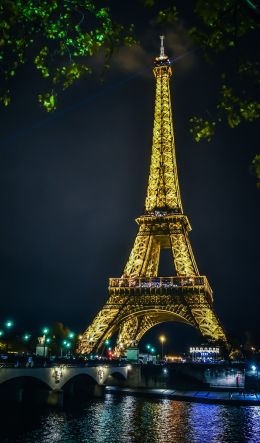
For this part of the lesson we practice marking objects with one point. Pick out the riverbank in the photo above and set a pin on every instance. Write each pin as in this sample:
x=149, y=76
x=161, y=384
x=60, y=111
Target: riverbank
x=234, y=398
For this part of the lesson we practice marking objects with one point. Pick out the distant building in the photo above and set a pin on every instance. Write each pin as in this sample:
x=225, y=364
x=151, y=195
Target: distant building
x=205, y=354
x=147, y=358
x=175, y=359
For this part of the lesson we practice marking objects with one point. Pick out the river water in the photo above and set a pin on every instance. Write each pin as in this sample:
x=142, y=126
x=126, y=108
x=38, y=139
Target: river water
x=129, y=419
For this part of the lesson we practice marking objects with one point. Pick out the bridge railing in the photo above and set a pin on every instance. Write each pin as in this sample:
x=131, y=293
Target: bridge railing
x=36, y=364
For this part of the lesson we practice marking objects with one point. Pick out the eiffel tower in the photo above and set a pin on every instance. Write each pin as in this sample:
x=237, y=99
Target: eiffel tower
x=140, y=299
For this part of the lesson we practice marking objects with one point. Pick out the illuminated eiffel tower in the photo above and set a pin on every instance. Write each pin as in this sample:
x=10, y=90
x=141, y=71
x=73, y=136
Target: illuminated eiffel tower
x=140, y=299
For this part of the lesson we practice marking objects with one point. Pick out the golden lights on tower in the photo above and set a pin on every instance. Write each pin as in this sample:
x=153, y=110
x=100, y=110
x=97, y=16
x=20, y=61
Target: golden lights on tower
x=140, y=298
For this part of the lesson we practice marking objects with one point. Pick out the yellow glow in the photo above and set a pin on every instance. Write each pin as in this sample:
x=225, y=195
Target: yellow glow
x=162, y=339
x=141, y=299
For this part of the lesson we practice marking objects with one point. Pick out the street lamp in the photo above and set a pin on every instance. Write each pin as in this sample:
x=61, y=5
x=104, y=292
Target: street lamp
x=148, y=347
x=153, y=351
x=45, y=331
x=254, y=369
x=162, y=339
x=64, y=342
x=8, y=324
x=105, y=344
x=68, y=345
x=26, y=337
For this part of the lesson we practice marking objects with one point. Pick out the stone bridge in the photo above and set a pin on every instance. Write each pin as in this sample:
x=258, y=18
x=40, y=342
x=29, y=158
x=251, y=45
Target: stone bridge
x=51, y=384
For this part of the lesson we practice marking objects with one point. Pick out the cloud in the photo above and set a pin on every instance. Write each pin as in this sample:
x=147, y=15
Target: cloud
x=139, y=59
x=132, y=59
x=178, y=47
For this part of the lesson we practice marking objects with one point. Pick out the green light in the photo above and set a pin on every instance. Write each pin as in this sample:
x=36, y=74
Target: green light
x=26, y=337
x=252, y=5
x=148, y=346
x=103, y=12
x=48, y=340
x=71, y=335
x=107, y=341
x=9, y=323
x=100, y=37
x=1, y=333
x=152, y=350
x=64, y=342
x=45, y=330
x=68, y=345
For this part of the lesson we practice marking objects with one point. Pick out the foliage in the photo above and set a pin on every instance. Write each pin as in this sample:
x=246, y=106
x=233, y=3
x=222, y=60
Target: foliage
x=60, y=330
x=256, y=164
x=202, y=128
x=225, y=32
x=226, y=28
x=58, y=37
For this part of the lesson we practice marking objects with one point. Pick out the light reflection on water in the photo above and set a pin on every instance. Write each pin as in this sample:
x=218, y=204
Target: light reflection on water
x=134, y=420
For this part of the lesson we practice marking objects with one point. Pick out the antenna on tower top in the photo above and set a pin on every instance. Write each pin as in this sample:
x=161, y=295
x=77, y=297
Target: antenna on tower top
x=162, y=55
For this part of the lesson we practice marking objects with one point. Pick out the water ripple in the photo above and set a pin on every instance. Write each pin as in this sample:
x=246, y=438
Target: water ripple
x=128, y=419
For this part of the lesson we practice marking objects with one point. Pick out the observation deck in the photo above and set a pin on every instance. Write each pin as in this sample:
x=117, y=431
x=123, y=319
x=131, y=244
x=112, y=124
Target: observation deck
x=161, y=286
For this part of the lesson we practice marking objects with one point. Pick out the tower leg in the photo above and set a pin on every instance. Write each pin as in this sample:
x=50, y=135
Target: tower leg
x=183, y=257
x=102, y=327
x=206, y=320
x=127, y=335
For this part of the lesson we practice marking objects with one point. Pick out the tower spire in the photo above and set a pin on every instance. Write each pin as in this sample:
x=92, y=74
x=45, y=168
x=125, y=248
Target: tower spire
x=163, y=194
x=162, y=55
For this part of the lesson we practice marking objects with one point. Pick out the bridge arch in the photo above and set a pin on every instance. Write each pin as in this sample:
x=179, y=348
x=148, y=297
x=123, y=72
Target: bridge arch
x=50, y=383
x=24, y=389
x=79, y=387
x=116, y=378
x=15, y=374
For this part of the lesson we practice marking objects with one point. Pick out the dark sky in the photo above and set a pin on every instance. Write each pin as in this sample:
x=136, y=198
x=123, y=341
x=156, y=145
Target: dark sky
x=73, y=182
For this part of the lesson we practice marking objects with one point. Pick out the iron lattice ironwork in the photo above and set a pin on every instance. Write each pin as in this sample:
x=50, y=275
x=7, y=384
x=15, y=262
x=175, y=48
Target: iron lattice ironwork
x=140, y=299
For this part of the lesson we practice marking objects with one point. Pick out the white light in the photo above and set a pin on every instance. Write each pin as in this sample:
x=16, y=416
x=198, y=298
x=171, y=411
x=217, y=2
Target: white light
x=253, y=367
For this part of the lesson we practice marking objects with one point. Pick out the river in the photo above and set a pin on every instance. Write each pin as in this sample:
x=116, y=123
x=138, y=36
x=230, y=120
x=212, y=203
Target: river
x=129, y=419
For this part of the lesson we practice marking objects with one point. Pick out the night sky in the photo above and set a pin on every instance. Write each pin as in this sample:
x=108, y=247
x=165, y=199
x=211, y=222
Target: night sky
x=73, y=182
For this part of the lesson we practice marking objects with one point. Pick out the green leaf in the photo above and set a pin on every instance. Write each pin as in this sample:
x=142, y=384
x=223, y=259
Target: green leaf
x=202, y=129
x=48, y=101
x=5, y=98
x=256, y=165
